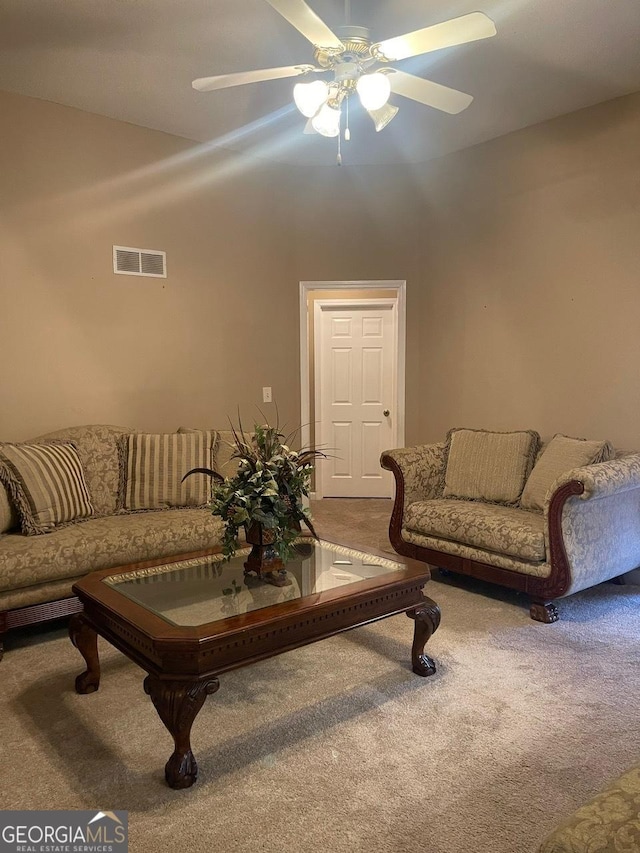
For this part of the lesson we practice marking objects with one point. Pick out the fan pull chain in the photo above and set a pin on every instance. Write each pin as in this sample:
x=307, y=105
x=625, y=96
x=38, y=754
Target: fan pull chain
x=339, y=157
x=347, y=132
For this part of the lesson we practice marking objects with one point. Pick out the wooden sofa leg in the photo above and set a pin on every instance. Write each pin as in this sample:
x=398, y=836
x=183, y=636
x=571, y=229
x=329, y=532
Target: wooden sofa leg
x=543, y=611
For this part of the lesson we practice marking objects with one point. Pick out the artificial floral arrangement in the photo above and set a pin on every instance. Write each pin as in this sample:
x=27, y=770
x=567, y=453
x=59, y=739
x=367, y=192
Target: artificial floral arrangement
x=267, y=490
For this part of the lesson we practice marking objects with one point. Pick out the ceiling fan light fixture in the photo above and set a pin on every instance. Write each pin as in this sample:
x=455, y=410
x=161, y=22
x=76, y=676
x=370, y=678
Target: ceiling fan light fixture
x=352, y=59
x=382, y=116
x=327, y=121
x=374, y=90
x=309, y=97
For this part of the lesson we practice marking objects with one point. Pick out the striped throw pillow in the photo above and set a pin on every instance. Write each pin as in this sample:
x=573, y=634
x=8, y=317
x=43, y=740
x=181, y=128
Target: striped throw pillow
x=46, y=483
x=488, y=466
x=560, y=455
x=152, y=468
x=8, y=515
x=225, y=463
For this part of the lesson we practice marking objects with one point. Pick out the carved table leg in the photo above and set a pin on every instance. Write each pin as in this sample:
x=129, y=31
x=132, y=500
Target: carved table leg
x=426, y=620
x=85, y=639
x=177, y=704
x=543, y=611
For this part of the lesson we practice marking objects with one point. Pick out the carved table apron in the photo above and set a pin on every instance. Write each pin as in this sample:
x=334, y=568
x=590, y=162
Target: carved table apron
x=183, y=662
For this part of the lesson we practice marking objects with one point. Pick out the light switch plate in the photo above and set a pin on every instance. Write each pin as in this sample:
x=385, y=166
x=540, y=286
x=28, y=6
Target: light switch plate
x=266, y=394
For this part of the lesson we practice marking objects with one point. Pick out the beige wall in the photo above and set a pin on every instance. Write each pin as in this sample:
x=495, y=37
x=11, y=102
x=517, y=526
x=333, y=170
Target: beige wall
x=365, y=224
x=79, y=344
x=521, y=258
x=531, y=289
x=522, y=261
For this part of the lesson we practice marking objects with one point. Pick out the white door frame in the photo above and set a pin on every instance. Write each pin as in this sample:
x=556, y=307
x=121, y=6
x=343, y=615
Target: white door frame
x=306, y=381
x=354, y=304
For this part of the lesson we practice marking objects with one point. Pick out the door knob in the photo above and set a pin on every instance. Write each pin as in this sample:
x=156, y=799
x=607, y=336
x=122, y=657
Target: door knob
x=386, y=413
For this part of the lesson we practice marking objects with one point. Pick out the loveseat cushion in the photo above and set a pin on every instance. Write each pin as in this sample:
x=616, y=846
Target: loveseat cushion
x=46, y=482
x=101, y=543
x=505, y=530
x=488, y=466
x=98, y=449
x=561, y=454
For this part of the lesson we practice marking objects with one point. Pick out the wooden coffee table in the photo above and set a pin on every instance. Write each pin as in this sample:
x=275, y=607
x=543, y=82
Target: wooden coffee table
x=187, y=619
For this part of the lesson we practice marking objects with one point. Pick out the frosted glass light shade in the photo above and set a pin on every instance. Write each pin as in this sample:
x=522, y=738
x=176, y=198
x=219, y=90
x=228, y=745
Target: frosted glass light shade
x=327, y=121
x=383, y=116
x=374, y=90
x=309, y=97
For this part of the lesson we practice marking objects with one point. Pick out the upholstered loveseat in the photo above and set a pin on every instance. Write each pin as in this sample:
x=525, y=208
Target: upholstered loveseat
x=548, y=520
x=37, y=571
x=609, y=823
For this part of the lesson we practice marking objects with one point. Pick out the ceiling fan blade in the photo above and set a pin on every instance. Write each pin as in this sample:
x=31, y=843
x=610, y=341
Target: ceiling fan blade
x=224, y=81
x=427, y=92
x=305, y=20
x=468, y=28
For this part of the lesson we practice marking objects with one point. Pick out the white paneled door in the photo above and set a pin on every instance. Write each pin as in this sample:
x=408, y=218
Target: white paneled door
x=355, y=369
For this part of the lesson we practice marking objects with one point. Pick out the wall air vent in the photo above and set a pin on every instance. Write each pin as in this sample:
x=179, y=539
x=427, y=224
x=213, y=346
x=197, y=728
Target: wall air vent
x=147, y=262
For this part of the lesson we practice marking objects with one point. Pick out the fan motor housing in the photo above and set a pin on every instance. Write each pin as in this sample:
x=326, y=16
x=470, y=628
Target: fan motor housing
x=356, y=41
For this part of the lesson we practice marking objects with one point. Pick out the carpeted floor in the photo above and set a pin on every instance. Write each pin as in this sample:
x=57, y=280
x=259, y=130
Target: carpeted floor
x=339, y=747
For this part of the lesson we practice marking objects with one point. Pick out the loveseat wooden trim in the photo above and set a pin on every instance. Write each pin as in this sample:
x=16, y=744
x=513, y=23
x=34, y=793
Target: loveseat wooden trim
x=541, y=591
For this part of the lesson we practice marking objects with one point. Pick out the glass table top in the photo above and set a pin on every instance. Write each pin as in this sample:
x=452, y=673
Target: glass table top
x=206, y=589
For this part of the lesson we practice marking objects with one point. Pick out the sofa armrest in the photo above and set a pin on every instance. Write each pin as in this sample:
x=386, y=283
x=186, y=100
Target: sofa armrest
x=420, y=468
x=418, y=472
x=605, y=479
x=592, y=523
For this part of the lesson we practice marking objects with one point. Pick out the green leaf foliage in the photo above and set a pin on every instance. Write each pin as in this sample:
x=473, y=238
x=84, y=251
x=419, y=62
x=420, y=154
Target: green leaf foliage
x=268, y=488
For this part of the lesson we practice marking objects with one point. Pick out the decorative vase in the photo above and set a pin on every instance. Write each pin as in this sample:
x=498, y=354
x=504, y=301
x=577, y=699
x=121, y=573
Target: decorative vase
x=264, y=559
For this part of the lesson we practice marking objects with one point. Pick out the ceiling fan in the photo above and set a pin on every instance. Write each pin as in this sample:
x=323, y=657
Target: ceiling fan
x=356, y=64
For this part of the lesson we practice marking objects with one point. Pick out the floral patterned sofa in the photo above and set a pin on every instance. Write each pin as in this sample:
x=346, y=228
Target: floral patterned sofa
x=548, y=520
x=609, y=823
x=37, y=571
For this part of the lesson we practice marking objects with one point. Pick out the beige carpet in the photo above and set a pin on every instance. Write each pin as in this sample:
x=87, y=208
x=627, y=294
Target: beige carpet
x=338, y=746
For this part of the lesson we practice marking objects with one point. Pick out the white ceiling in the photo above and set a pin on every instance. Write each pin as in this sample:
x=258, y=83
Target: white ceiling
x=134, y=60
